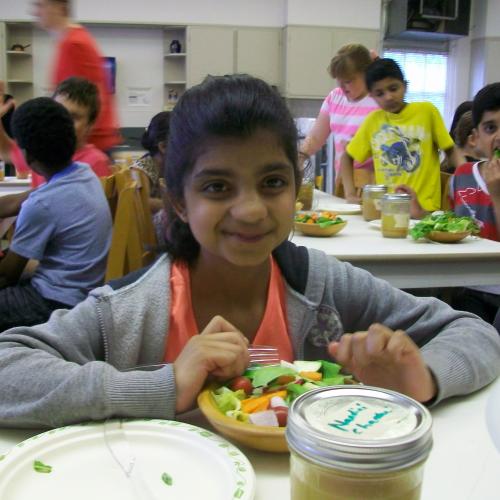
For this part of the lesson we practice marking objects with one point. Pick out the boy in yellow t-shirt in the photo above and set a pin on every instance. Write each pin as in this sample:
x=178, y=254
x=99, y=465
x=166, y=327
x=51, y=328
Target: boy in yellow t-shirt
x=403, y=139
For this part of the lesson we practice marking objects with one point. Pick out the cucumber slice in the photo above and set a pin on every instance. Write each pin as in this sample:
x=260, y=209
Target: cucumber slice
x=307, y=366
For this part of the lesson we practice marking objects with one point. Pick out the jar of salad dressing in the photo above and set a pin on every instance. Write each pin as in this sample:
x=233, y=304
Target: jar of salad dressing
x=357, y=443
x=395, y=215
x=372, y=195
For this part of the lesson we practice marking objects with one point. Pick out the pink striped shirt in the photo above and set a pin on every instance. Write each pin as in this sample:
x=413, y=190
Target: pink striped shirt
x=345, y=119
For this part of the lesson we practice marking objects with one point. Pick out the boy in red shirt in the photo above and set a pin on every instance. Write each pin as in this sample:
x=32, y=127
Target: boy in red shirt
x=475, y=191
x=77, y=54
x=80, y=98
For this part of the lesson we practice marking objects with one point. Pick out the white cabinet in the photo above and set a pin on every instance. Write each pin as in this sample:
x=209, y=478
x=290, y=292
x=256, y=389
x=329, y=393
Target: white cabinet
x=210, y=51
x=17, y=61
x=258, y=53
x=220, y=50
x=308, y=52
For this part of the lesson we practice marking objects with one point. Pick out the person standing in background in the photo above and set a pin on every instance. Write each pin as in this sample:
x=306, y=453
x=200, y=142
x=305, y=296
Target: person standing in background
x=77, y=54
x=345, y=107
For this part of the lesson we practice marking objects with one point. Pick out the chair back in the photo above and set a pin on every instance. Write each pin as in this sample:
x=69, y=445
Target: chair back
x=133, y=240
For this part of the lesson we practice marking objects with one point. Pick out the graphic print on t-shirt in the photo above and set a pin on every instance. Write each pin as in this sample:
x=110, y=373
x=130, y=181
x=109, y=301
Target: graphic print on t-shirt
x=398, y=149
x=468, y=196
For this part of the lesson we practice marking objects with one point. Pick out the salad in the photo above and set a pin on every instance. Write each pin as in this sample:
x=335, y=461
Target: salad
x=262, y=395
x=443, y=221
x=322, y=219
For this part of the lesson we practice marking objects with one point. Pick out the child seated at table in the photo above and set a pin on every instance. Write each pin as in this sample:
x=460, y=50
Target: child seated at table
x=80, y=97
x=230, y=278
x=65, y=224
x=475, y=192
x=404, y=139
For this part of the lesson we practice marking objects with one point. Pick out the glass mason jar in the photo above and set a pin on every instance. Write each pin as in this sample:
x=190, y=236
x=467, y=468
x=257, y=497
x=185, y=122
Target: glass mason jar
x=357, y=443
x=372, y=195
x=395, y=215
x=306, y=190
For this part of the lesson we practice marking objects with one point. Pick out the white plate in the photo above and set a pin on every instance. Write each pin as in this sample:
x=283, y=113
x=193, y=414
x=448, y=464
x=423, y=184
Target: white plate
x=89, y=462
x=14, y=181
x=340, y=208
x=377, y=223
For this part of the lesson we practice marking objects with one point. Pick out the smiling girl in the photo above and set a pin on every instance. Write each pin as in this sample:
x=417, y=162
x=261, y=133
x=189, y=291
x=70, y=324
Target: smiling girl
x=230, y=278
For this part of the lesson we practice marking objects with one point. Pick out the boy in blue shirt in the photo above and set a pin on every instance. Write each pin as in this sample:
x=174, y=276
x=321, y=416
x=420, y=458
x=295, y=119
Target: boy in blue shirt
x=65, y=224
x=404, y=139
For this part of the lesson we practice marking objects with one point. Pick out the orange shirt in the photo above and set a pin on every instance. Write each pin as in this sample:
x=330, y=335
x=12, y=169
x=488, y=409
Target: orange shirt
x=273, y=329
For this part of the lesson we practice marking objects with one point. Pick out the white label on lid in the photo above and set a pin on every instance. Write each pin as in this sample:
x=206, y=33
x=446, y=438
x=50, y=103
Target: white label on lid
x=365, y=418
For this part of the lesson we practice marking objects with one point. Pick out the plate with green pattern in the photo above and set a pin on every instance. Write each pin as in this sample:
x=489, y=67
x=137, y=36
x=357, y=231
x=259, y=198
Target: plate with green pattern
x=126, y=460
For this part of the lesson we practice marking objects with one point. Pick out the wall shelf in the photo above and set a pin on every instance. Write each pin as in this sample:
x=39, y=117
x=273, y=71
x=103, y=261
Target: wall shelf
x=17, y=67
x=19, y=53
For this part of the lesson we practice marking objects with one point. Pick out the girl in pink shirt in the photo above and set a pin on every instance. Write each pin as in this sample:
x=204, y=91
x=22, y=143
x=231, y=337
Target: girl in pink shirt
x=345, y=107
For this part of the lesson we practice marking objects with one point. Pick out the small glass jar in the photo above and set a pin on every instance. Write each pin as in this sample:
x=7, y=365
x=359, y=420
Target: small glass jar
x=395, y=215
x=372, y=195
x=357, y=443
x=2, y=170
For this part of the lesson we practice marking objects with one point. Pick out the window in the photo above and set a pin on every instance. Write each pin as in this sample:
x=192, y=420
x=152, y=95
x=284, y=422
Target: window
x=425, y=73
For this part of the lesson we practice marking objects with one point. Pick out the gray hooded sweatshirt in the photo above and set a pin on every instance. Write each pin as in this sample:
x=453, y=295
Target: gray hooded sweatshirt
x=72, y=368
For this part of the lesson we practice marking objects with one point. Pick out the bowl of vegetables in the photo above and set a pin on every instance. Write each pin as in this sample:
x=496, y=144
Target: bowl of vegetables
x=253, y=409
x=444, y=227
x=318, y=223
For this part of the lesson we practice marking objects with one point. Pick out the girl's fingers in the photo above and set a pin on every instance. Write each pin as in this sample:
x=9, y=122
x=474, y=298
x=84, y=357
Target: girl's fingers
x=218, y=324
x=344, y=351
x=358, y=346
x=400, y=344
x=377, y=339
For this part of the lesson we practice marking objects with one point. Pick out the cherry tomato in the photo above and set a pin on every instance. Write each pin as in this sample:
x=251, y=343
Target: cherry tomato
x=243, y=383
x=281, y=413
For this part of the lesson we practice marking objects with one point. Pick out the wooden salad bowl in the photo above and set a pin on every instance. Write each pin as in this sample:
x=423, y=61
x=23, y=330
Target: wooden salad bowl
x=447, y=237
x=260, y=437
x=316, y=230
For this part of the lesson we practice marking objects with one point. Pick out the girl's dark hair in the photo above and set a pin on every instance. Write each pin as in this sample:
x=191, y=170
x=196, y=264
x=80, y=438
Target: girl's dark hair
x=156, y=132
x=44, y=128
x=382, y=68
x=461, y=109
x=221, y=106
x=487, y=99
x=463, y=129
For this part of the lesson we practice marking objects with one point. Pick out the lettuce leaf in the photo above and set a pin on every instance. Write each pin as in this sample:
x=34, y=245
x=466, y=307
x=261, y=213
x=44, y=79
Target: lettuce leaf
x=263, y=375
x=228, y=400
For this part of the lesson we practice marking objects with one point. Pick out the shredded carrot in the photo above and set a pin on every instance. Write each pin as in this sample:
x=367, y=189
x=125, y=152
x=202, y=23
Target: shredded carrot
x=311, y=375
x=252, y=405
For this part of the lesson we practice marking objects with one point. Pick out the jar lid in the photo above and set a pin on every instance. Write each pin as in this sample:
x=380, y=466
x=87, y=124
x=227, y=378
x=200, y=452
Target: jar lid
x=375, y=187
x=359, y=428
x=396, y=197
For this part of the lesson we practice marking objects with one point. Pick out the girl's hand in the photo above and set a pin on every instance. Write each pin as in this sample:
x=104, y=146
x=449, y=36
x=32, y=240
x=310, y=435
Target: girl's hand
x=220, y=350
x=385, y=358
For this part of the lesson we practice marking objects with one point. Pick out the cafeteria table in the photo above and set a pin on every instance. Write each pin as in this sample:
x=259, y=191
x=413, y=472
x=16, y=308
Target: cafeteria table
x=403, y=262
x=463, y=465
